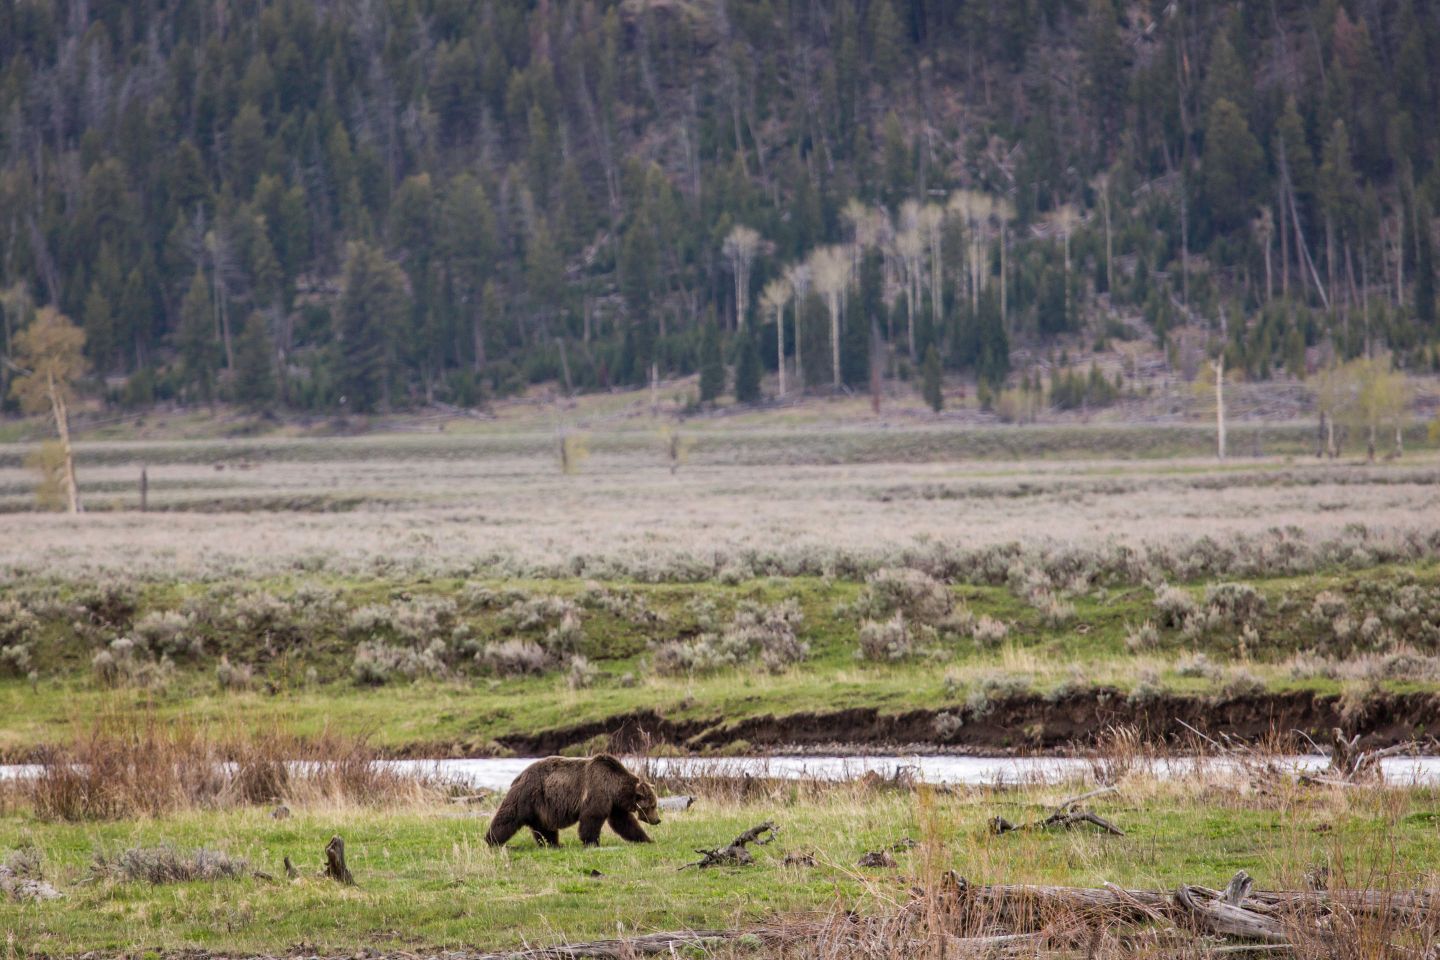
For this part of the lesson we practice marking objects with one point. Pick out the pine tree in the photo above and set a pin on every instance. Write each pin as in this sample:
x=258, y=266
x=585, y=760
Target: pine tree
x=196, y=338
x=932, y=390
x=712, y=364
x=1425, y=276
x=371, y=310
x=255, y=364
x=747, y=370
x=1232, y=168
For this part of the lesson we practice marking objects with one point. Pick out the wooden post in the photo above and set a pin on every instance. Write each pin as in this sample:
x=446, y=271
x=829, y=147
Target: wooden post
x=144, y=490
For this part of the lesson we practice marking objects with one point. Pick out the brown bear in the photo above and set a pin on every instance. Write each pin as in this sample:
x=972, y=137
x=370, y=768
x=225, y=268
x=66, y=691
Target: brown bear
x=553, y=793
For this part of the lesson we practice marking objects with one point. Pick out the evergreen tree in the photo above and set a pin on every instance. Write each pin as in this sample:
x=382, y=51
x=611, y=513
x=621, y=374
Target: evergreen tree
x=1425, y=277
x=1053, y=316
x=747, y=370
x=1233, y=163
x=814, y=321
x=712, y=364
x=887, y=41
x=855, y=351
x=196, y=338
x=933, y=392
x=371, y=310
x=255, y=364
x=1105, y=63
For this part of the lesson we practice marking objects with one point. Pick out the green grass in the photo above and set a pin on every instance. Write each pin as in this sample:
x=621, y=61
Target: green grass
x=426, y=878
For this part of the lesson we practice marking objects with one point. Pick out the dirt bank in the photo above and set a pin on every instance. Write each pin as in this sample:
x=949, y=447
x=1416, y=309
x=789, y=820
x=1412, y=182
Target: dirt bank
x=1026, y=724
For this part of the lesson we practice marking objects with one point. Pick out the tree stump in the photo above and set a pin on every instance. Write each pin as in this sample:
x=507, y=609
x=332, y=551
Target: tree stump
x=335, y=867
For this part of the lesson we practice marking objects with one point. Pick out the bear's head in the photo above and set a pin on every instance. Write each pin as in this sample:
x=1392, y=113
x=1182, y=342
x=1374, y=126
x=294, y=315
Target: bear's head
x=647, y=805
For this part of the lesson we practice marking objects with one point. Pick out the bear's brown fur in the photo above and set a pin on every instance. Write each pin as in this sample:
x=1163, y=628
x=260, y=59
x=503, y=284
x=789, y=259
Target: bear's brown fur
x=553, y=793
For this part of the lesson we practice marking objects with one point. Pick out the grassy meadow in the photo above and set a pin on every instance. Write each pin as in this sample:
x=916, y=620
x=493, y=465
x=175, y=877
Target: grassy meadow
x=425, y=878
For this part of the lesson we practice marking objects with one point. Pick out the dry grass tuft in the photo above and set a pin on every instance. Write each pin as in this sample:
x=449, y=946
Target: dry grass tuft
x=121, y=770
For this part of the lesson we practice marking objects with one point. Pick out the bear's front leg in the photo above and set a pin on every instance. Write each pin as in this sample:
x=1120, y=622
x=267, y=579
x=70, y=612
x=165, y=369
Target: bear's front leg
x=624, y=823
x=590, y=829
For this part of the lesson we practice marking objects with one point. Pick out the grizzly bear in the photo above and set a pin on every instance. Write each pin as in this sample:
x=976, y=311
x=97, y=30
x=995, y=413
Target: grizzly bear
x=553, y=793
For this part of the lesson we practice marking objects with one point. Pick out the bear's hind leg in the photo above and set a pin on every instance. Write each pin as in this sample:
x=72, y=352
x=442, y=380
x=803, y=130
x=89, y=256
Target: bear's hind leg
x=624, y=823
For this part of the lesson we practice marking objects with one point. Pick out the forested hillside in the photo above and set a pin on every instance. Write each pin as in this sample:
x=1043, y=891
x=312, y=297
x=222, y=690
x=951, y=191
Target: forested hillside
x=383, y=203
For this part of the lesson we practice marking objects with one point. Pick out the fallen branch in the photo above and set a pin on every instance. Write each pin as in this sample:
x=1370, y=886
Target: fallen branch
x=1065, y=819
x=1350, y=763
x=735, y=854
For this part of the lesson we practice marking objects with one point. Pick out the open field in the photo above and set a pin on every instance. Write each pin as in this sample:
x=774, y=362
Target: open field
x=787, y=503
x=461, y=595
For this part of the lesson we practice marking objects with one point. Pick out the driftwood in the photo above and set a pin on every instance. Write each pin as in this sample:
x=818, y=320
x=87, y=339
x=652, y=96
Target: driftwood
x=290, y=872
x=335, y=867
x=1351, y=764
x=735, y=854
x=1238, y=912
x=1067, y=815
x=676, y=803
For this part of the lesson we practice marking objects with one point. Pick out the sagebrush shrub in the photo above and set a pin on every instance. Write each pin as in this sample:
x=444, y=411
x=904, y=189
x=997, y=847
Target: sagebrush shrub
x=1174, y=606
x=581, y=673
x=377, y=663
x=916, y=594
x=888, y=640
x=756, y=631
x=169, y=633
x=513, y=658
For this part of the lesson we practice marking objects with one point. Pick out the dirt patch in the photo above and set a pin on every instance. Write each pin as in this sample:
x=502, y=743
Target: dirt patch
x=1014, y=724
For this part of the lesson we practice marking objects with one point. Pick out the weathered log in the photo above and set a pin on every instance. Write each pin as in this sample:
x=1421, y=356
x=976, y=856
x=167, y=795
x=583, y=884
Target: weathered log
x=1227, y=920
x=676, y=803
x=734, y=853
x=335, y=867
x=1022, y=904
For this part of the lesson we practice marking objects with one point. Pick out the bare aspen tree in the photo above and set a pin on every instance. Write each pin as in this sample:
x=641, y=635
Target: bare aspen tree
x=857, y=214
x=740, y=247
x=773, y=298
x=910, y=250
x=223, y=267
x=1064, y=218
x=1220, y=388
x=798, y=277
x=830, y=269
x=48, y=358
x=1004, y=212
x=1264, y=227
x=1102, y=185
x=932, y=225
x=1220, y=405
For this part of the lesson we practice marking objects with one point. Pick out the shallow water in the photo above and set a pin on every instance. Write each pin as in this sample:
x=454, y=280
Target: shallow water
x=975, y=771
x=497, y=774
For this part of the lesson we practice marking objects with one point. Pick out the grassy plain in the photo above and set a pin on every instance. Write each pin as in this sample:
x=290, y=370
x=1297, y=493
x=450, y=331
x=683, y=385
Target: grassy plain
x=426, y=879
